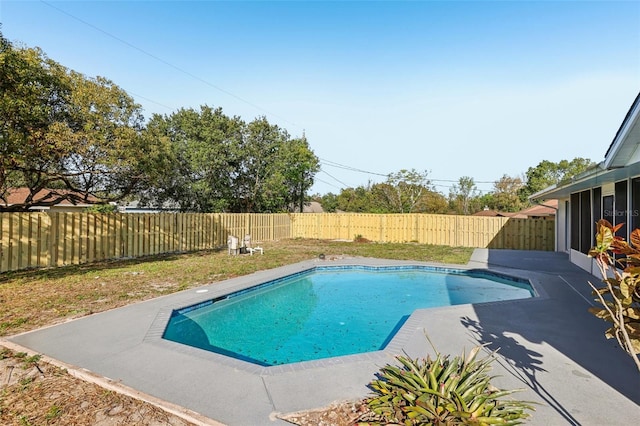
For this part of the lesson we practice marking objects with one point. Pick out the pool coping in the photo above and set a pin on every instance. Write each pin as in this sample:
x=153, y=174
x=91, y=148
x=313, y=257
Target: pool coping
x=205, y=296
x=547, y=343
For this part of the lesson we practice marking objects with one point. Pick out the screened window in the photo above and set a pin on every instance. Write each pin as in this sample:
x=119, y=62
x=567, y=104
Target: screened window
x=620, y=210
x=581, y=229
x=635, y=203
x=607, y=208
x=585, y=221
x=575, y=221
x=596, y=211
x=597, y=205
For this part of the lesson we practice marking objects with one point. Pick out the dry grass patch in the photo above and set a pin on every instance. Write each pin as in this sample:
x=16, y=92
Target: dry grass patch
x=37, y=393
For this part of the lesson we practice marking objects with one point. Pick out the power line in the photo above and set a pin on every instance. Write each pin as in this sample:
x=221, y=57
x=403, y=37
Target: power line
x=167, y=63
x=336, y=179
x=355, y=169
x=149, y=100
x=482, y=191
x=325, y=182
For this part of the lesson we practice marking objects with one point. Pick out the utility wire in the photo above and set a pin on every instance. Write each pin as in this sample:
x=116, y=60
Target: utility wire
x=233, y=95
x=334, y=178
x=167, y=63
x=325, y=182
x=150, y=100
x=354, y=169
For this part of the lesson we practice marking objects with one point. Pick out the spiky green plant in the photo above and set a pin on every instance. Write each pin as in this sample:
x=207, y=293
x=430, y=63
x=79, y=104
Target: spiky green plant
x=443, y=391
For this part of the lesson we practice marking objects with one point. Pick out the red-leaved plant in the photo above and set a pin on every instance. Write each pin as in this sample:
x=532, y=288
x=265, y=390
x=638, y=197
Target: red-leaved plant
x=619, y=264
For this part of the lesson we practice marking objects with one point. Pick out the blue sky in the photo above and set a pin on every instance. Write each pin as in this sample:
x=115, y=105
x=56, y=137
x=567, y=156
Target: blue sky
x=456, y=88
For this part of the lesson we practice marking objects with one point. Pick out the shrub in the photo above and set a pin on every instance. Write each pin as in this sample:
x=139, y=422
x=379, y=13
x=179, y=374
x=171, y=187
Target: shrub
x=444, y=390
x=620, y=297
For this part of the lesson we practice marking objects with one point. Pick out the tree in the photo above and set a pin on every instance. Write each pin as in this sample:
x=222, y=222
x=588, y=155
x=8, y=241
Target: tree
x=72, y=136
x=224, y=164
x=260, y=184
x=506, y=194
x=461, y=195
x=328, y=201
x=406, y=191
x=205, y=148
x=548, y=173
x=357, y=200
x=432, y=202
x=403, y=190
x=301, y=165
x=485, y=200
x=277, y=170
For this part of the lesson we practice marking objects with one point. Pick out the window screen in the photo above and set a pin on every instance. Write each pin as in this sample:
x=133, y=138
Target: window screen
x=635, y=203
x=575, y=221
x=621, y=207
x=596, y=212
x=607, y=208
x=585, y=221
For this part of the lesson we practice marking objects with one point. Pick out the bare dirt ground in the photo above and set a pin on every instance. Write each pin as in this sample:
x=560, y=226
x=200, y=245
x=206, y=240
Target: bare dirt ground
x=37, y=393
x=342, y=414
x=34, y=392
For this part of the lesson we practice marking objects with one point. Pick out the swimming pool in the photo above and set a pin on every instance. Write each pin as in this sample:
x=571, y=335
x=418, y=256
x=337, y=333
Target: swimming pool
x=329, y=311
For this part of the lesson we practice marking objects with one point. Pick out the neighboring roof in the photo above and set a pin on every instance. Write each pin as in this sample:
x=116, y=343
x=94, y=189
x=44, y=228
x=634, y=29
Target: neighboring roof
x=547, y=208
x=19, y=195
x=495, y=213
x=488, y=213
x=312, y=207
x=622, y=160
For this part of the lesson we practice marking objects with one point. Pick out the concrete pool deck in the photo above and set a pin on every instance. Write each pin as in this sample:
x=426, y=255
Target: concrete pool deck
x=550, y=346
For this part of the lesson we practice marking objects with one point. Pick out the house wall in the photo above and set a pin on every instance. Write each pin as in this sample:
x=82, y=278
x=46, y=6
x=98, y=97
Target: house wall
x=563, y=238
x=635, y=157
x=583, y=261
x=69, y=208
x=562, y=226
x=625, y=211
x=61, y=208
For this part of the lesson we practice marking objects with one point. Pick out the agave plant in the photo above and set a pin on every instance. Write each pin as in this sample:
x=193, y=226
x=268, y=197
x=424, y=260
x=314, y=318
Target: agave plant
x=443, y=391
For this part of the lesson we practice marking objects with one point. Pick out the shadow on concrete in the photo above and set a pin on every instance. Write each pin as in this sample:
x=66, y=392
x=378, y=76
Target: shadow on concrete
x=522, y=362
x=559, y=319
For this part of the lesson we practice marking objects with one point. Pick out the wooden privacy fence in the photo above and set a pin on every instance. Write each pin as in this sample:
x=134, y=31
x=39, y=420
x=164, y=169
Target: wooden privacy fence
x=448, y=230
x=31, y=240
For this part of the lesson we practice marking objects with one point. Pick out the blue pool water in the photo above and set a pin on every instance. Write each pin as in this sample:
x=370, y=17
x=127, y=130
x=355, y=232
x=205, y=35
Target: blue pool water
x=329, y=311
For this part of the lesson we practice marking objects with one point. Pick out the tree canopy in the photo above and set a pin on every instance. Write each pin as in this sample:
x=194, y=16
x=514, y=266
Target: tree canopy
x=405, y=191
x=64, y=135
x=221, y=163
x=548, y=173
x=76, y=137
x=462, y=195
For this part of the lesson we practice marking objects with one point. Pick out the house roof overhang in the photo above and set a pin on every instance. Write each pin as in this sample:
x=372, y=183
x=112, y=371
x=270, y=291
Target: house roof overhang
x=596, y=177
x=627, y=139
x=622, y=161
